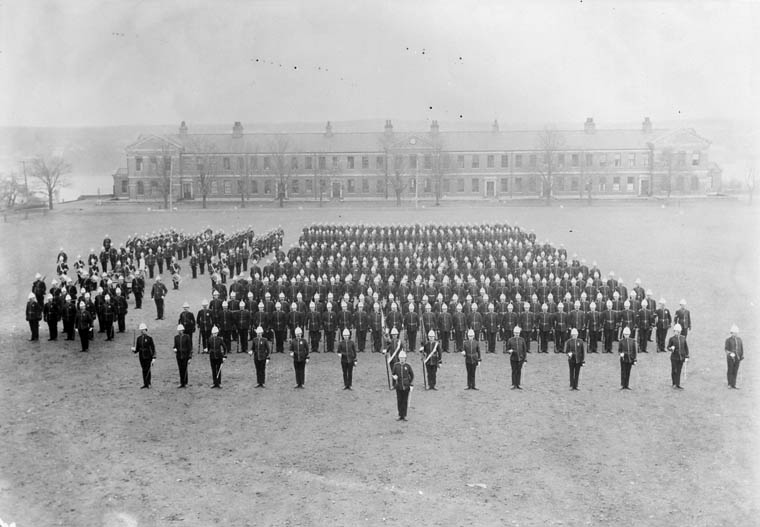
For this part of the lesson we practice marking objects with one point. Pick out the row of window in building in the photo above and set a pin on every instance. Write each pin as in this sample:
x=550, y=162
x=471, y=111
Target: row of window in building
x=412, y=161
x=427, y=185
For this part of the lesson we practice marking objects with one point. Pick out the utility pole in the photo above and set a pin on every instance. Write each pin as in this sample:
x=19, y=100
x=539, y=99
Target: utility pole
x=171, y=173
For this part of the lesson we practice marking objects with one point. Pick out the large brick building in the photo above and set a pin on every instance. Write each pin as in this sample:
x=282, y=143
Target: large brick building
x=489, y=164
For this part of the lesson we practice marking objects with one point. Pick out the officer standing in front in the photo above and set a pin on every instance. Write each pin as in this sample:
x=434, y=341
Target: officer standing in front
x=146, y=352
x=576, y=357
x=679, y=355
x=157, y=293
x=260, y=350
x=432, y=359
x=627, y=350
x=734, y=356
x=403, y=377
x=517, y=349
x=347, y=352
x=183, y=348
x=299, y=350
x=471, y=353
x=217, y=354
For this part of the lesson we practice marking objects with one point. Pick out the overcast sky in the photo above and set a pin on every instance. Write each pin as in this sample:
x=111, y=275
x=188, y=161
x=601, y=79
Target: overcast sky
x=86, y=62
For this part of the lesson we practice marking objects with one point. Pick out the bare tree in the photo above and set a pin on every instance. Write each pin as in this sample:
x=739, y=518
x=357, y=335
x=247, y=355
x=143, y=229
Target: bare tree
x=750, y=179
x=443, y=164
x=550, y=141
x=205, y=163
x=399, y=175
x=280, y=164
x=9, y=190
x=245, y=169
x=51, y=172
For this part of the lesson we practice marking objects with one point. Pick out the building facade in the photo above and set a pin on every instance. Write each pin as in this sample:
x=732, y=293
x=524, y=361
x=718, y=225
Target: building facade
x=434, y=164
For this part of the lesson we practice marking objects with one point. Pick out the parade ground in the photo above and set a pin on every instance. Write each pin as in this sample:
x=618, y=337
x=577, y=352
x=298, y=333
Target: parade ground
x=83, y=446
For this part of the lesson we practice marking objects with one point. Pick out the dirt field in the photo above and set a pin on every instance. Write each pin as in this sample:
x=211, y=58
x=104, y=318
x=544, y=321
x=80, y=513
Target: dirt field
x=83, y=446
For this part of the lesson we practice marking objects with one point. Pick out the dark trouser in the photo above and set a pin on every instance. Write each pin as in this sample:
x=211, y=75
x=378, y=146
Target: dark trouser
x=625, y=373
x=202, y=266
x=150, y=272
x=593, y=340
x=101, y=324
x=402, y=400
x=104, y=264
x=516, y=371
x=545, y=336
x=471, y=367
x=194, y=269
x=575, y=372
x=732, y=371
x=491, y=339
x=443, y=337
x=227, y=339
x=84, y=338
x=676, y=364
x=34, y=326
x=243, y=340
x=245, y=264
x=122, y=323
x=560, y=337
x=205, y=335
x=348, y=373
x=279, y=338
x=643, y=339
x=145, y=364
x=661, y=334
x=330, y=338
x=261, y=371
x=108, y=327
x=160, y=267
x=237, y=267
x=182, y=364
x=138, y=300
x=300, y=368
x=159, y=308
x=361, y=339
x=432, y=369
x=684, y=332
x=609, y=337
x=377, y=341
x=53, y=330
x=314, y=337
x=68, y=328
x=216, y=371
x=459, y=339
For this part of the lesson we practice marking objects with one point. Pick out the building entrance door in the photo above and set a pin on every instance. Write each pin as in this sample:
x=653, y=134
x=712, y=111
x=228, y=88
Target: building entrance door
x=490, y=189
x=336, y=189
x=643, y=187
x=187, y=191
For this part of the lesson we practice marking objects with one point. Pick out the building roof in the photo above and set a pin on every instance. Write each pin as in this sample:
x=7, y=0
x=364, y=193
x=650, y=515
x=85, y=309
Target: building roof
x=374, y=142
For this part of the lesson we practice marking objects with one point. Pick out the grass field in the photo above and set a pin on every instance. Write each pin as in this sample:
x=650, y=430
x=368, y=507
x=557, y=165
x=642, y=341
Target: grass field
x=83, y=446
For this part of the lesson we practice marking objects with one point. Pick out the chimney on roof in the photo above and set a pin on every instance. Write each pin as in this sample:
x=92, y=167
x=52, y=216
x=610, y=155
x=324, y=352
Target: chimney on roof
x=328, y=129
x=495, y=126
x=388, y=127
x=589, y=127
x=434, y=128
x=183, y=129
x=237, y=129
x=646, y=126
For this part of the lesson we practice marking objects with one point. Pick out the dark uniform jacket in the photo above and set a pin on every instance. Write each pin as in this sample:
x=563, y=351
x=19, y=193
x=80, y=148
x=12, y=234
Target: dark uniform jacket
x=680, y=347
x=519, y=348
x=627, y=347
x=145, y=348
x=216, y=348
x=300, y=349
x=260, y=348
x=404, y=376
x=432, y=352
x=183, y=344
x=576, y=347
x=347, y=350
x=471, y=352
